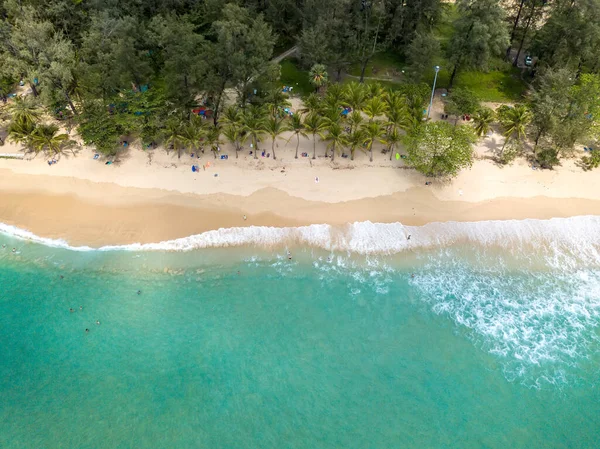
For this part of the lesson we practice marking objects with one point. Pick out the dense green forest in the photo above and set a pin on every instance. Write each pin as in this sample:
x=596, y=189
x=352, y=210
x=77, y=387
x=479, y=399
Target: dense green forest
x=189, y=73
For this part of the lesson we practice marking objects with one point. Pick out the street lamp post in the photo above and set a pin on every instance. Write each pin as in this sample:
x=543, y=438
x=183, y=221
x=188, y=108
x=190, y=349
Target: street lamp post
x=437, y=69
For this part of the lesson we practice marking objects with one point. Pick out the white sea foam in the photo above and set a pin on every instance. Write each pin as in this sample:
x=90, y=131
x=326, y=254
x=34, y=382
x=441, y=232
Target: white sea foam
x=538, y=322
x=561, y=240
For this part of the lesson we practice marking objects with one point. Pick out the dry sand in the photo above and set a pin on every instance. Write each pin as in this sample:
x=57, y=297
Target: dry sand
x=151, y=196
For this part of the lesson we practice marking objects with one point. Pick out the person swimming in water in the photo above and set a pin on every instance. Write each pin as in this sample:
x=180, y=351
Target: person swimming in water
x=98, y=322
x=139, y=292
x=14, y=250
x=71, y=310
x=289, y=255
x=80, y=307
x=86, y=330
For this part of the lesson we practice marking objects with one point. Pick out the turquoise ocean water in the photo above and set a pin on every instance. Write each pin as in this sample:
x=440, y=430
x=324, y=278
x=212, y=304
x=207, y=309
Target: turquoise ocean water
x=476, y=336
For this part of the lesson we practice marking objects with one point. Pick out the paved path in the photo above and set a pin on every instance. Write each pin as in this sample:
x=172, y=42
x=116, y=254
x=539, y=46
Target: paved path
x=285, y=54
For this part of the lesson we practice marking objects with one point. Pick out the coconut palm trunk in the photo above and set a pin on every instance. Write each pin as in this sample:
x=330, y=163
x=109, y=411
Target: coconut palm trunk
x=297, y=145
x=314, y=146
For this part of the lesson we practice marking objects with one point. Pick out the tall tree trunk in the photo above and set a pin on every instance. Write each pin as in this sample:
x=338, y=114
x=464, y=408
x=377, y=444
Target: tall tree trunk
x=391, y=151
x=514, y=29
x=371, y=153
x=218, y=104
x=71, y=105
x=363, y=69
x=333, y=153
x=516, y=61
x=537, y=139
x=314, y=146
x=273, y=148
x=255, y=142
x=452, y=76
x=297, y=145
x=34, y=90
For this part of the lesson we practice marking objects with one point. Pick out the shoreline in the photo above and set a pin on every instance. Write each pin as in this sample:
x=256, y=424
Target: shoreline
x=104, y=214
x=151, y=197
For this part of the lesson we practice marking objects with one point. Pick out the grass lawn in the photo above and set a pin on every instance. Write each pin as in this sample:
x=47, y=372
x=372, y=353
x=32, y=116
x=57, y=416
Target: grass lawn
x=292, y=75
x=380, y=65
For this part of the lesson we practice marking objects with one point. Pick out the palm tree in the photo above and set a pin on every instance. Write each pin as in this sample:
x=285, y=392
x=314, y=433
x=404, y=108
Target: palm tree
x=514, y=122
x=232, y=114
x=373, y=131
x=277, y=101
x=21, y=132
x=24, y=110
x=296, y=125
x=318, y=76
x=374, y=90
x=312, y=104
x=192, y=135
x=355, y=140
x=374, y=108
x=274, y=127
x=173, y=135
x=398, y=116
x=483, y=120
x=334, y=95
x=314, y=124
x=213, y=139
x=355, y=95
x=355, y=119
x=46, y=137
x=336, y=138
x=391, y=139
x=236, y=135
x=254, y=125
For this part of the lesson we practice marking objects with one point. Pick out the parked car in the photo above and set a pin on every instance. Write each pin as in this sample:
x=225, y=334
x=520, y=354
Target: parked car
x=528, y=61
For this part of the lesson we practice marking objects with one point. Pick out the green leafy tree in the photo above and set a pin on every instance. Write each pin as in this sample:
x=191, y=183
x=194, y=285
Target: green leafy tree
x=483, y=119
x=296, y=125
x=548, y=158
x=391, y=140
x=24, y=110
x=181, y=50
x=440, y=149
x=313, y=104
x=375, y=107
x=314, y=125
x=423, y=50
x=355, y=119
x=356, y=139
x=174, y=137
x=241, y=48
x=318, y=76
x=355, y=95
x=514, y=121
x=480, y=33
x=47, y=138
x=372, y=133
x=21, y=132
x=99, y=128
x=213, y=139
x=274, y=127
x=236, y=135
x=255, y=122
x=460, y=102
x=336, y=138
x=192, y=134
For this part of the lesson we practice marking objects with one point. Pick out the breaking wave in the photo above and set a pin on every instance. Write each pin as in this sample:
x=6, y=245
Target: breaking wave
x=561, y=241
x=526, y=291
